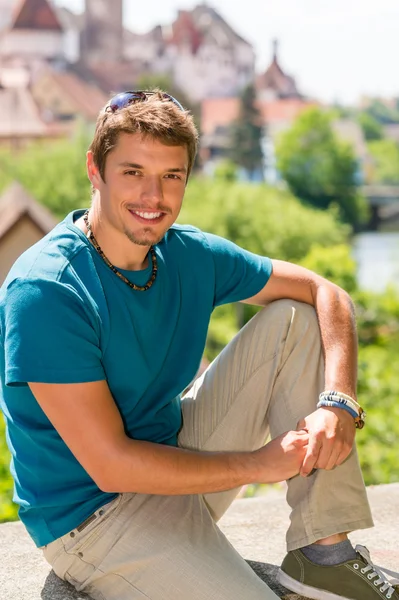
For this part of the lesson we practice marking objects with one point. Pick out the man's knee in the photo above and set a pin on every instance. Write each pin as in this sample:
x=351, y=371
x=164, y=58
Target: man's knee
x=285, y=309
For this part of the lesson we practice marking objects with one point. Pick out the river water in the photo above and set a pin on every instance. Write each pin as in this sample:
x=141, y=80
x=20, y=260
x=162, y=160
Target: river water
x=377, y=257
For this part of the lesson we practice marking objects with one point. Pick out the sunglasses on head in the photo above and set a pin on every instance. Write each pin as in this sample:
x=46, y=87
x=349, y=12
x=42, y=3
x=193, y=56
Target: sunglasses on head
x=124, y=99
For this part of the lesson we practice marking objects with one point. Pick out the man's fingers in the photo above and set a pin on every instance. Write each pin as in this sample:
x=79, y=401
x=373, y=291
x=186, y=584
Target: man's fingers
x=311, y=457
x=343, y=455
x=333, y=460
x=339, y=452
x=301, y=424
x=329, y=451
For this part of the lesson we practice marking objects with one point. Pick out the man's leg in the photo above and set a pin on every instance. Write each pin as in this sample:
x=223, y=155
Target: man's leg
x=155, y=548
x=268, y=378
x=159, y=547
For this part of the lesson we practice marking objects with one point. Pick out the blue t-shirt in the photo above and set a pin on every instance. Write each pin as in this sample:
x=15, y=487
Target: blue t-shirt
x=65, y=317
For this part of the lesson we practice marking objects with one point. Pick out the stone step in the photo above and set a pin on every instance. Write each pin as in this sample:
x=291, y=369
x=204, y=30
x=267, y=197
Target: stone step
x=256, y=527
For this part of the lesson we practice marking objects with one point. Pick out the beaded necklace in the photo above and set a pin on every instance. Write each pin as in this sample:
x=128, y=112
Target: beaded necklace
x=138, y=288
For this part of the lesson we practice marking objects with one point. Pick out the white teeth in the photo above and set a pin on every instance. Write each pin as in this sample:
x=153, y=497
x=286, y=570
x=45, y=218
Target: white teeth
x=146, y=215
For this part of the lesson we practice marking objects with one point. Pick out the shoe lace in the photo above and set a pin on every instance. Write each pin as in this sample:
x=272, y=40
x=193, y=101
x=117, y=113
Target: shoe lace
x=379, y=572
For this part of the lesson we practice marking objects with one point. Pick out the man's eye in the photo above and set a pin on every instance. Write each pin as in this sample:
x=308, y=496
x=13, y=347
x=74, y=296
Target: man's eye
x=172, y=176
x=132, y=172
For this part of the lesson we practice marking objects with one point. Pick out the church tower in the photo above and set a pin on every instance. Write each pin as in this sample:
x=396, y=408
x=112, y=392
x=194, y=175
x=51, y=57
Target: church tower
x=102, y=36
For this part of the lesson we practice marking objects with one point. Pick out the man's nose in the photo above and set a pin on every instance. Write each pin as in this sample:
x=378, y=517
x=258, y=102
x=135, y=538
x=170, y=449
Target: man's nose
x=152, y=189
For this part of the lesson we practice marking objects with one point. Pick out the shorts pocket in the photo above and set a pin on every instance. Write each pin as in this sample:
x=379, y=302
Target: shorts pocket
x=80, y=540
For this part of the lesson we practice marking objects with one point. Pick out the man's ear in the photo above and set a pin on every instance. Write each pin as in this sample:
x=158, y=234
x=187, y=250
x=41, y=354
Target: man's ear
x=93, y=172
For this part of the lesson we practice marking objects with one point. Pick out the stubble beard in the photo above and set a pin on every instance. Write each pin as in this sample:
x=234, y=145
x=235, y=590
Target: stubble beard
x=143, y=239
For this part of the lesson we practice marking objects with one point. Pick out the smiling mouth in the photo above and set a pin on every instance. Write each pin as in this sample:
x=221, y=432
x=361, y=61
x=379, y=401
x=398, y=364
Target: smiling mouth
x=147, y=216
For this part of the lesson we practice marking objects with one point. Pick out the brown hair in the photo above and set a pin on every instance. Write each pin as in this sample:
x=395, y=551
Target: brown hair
x=157, y=118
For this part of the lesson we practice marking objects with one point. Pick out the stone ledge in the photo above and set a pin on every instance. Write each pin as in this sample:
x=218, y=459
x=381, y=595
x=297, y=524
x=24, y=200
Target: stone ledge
x=256, y=527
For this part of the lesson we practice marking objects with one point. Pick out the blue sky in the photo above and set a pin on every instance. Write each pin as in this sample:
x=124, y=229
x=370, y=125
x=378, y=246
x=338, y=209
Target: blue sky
x=336, y=49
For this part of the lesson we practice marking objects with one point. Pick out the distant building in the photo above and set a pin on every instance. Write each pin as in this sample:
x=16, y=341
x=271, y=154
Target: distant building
x=274, y=83
x=31, y=30
x=23, y=222
x=40, y=97
x=203, y=54
x=279, y=103
x=64, y=98
x=102, y=32
x=199, y=50
x=71, y=63
x=20, y=121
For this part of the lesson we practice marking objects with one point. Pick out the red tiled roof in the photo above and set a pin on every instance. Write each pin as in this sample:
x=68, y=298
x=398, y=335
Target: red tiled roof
x=36, y=14
x=286, y=109
x=218, y=112
x=87, y=98
x=184, y=30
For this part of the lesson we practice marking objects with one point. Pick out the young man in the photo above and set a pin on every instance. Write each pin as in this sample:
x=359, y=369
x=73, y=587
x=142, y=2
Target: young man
x=103, y=323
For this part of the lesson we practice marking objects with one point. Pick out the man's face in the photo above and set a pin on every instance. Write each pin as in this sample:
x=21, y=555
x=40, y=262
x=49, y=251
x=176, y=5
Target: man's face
x=144, y=187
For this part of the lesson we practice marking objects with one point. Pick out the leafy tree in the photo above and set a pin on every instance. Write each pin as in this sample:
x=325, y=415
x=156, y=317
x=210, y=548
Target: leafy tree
x=54, y=173
x=319, y=168
x=335, y=263
x=263, y=219
x=246, y=134
x=372, y=129
x=226, y=170
x=386, y=162
x=378, y=388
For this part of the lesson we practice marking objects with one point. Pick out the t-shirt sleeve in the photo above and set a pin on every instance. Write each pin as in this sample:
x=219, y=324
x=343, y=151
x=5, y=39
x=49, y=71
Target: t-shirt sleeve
x=239, y=274
x=50, y=335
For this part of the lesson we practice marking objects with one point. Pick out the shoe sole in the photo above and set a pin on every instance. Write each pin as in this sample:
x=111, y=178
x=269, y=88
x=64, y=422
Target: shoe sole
x=306, y=590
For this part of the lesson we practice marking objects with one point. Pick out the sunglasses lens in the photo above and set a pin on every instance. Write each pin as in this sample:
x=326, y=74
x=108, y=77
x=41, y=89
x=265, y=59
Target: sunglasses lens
x=125, y=98
x=122, y=100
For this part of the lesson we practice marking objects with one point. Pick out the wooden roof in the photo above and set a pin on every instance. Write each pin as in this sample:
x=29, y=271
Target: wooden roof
x=16, y=203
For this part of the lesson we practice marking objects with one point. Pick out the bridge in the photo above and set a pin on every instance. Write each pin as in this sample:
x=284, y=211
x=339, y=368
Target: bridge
x=384, y=204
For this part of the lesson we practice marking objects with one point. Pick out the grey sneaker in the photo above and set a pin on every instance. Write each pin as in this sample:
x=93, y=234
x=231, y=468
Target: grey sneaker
x=357, y=579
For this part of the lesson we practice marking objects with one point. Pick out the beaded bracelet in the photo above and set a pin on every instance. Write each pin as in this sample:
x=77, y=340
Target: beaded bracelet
x=341, y=399
x=338, y=405
x=339, y=395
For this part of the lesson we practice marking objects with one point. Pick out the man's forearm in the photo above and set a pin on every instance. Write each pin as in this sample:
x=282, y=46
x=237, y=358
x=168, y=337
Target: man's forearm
x=336, y=316
x=145, y=467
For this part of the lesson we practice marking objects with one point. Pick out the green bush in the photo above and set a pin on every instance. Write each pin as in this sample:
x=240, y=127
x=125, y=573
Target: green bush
x=260, y=218
x=8, y=510
x=53, y=173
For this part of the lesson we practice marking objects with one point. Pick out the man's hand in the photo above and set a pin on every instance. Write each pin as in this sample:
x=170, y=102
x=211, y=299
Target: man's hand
x=282, y=458
x=331, y=436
